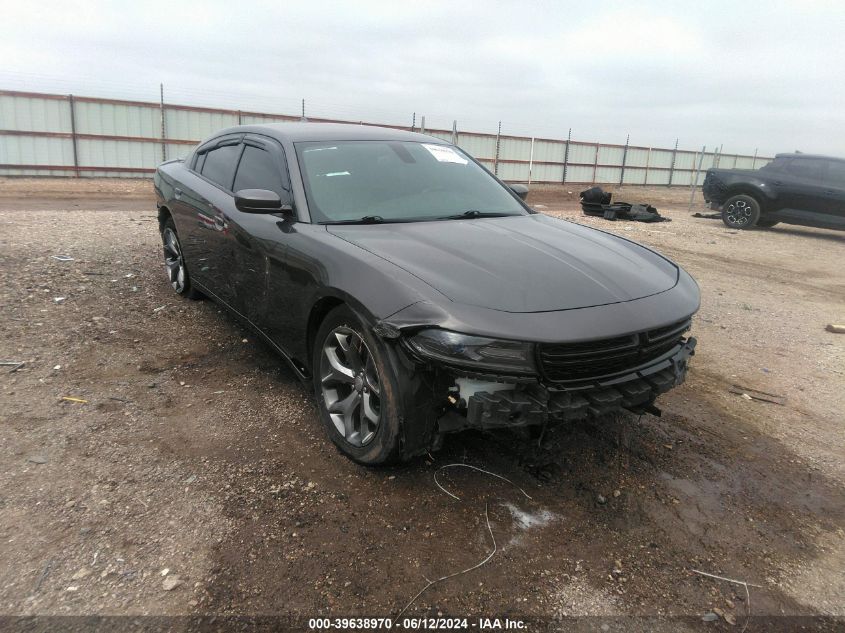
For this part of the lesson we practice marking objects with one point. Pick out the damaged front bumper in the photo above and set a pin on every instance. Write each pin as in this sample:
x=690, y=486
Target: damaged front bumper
x=539, y=402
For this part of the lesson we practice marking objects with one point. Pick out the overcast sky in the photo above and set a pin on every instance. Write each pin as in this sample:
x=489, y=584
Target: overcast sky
x=768, y=75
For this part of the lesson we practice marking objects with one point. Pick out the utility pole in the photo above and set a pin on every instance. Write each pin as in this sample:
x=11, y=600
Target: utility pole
x=496, y=158
x=566, y=154
x=163, y=130
x=73, y=134
x=695, y=177
x=624, y=158
x=672, y=166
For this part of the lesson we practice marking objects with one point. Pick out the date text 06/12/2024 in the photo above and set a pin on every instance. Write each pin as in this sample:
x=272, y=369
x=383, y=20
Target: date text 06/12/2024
x=415, y=624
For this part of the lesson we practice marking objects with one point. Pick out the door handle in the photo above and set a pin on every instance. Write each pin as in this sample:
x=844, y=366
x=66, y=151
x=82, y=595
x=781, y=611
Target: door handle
x=777, y=182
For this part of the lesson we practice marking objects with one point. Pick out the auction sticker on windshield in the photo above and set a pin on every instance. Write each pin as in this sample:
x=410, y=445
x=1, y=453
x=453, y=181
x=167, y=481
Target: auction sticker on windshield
x=445, y=154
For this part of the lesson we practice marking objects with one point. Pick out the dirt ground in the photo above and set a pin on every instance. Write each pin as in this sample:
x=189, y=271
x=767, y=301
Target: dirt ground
x=156, y=459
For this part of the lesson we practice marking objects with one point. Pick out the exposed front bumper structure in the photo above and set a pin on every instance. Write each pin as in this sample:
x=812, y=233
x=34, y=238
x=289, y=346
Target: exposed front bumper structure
x=539, y=403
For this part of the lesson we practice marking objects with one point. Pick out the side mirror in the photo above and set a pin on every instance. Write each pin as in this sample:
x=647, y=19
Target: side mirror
x=259, y=201
x=519, y=190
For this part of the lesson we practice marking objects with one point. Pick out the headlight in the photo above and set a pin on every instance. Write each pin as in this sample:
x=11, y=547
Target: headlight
x=475, y=352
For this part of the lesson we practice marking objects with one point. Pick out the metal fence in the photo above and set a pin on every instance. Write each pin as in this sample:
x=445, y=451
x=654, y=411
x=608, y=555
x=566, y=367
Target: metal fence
x=65, y=135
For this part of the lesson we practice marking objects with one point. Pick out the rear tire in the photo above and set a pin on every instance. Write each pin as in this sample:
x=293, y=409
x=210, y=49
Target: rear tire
x=741, y=212
x=357, y=390
x=174, y=262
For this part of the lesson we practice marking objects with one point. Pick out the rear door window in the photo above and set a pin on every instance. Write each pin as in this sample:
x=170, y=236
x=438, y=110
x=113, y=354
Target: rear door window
x=811, y=169
x=835, y=176
x=258, y=170
x=219, y=165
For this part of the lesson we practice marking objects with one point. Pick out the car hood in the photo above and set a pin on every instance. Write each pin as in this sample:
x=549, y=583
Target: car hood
x=531, y=263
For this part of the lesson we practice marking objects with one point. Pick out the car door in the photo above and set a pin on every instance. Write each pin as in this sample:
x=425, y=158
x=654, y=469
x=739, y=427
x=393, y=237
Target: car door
x=258, y=239
x=208, y=200
x=800, y=186
x=834, y=185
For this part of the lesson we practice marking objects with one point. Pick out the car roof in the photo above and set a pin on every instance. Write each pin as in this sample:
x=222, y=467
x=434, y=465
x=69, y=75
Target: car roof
x=801, y=155
x=307, y=131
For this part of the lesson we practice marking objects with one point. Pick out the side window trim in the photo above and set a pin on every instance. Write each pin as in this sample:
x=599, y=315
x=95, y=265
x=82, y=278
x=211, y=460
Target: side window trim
x=275, y=149
x=214, y=143
x=234, y=171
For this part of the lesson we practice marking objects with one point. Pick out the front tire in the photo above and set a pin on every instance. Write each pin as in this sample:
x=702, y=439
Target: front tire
x=174, y=262
x=741, y=212
x=357, y=390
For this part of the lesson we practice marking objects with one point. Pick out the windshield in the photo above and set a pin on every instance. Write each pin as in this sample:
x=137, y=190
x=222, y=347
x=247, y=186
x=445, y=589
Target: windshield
x=397, y=181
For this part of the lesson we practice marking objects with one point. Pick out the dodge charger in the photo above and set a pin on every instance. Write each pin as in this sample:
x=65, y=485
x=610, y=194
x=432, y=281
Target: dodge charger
x=415, y=291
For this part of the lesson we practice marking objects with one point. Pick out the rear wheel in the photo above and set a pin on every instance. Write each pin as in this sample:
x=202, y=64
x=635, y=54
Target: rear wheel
x=357, y=390
x=174, y=262
x=741, y=212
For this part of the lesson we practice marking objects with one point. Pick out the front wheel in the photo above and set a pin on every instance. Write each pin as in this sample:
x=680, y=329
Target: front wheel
x=741, y=212
x=357, y=390
x=174, y=262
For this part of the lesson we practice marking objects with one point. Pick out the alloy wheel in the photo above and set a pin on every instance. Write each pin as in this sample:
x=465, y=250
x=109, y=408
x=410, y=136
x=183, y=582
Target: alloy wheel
x=350, y=385
x=739, y=213
x=173, y=260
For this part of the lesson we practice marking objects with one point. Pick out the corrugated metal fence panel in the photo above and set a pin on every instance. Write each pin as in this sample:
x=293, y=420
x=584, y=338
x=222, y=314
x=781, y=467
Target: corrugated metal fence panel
x=610, y=156
x=513, y=171
x=97, y=153
x=552, y=151
x=637, y=157
x=441, y=134
x=684, y=160
x=251, y=119
x=582, y=153
x=35, y=150
x=682, y=178
x=117, y=120
x=744, y=162
x=176, y=150
x=478, y=146
x=660, y=158
x=50, y=114
x=43, y=172
x=35, y=114
x=193, y=125
x=544, y=172
x=634, y=176
x=608, y=174
x=515, y=148
x=579, y=174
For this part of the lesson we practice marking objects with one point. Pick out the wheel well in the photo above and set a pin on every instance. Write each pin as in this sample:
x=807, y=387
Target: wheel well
x=318, y=312
x=746, y=191
x=163, y=215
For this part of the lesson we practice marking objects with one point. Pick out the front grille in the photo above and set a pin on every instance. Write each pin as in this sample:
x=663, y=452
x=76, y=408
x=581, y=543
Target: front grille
x=566, y=362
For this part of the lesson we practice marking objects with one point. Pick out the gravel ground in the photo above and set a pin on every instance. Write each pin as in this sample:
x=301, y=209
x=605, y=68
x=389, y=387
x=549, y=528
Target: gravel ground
x=187, y=473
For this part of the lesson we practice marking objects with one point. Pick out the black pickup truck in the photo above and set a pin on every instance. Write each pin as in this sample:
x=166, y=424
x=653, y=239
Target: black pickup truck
x=801, y=189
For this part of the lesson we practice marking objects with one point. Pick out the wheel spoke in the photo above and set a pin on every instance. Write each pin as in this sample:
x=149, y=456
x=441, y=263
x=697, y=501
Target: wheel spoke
x=350, y=351
x=336, y=370
x=172, y=269
x=343, y=411
x=369, y=411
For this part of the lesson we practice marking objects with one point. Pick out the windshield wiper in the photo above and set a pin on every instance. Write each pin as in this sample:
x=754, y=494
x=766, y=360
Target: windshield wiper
x=367, y=219
x=474, y=213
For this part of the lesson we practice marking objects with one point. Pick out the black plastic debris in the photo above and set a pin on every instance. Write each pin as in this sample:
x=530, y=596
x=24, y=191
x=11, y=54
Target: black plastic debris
x=597, y=202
